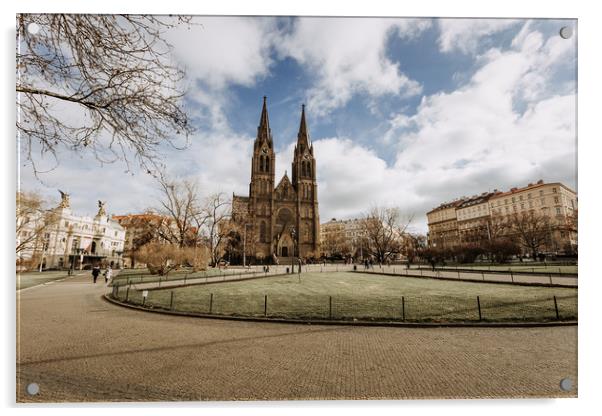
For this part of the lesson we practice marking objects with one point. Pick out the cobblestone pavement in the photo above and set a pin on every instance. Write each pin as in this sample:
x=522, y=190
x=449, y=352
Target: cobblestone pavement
x=77, y=347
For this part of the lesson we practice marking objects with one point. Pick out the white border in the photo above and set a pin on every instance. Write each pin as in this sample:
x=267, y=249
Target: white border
x=589, y=154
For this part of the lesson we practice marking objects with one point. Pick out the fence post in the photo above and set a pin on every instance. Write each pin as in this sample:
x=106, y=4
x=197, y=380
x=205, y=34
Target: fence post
x=171, y=302
x=265, y=306
x=329, y=307
x=211, y=303
x=420, y=272
x=117, y=291
x=550, y=279
x=511, y=276
x=403, y=309
x=458, y=272
x=159, y=281
x=556, y=308
x=185, y=276
x=479, y=306
x=483, y=275
x=127, y=293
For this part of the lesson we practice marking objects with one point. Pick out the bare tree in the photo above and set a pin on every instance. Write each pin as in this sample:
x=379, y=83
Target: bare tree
x=98, y=83
x=215, y=219
x=532, y=230
x=180, y=204
x=33, y=220
x=384, y=229
x=412, y=246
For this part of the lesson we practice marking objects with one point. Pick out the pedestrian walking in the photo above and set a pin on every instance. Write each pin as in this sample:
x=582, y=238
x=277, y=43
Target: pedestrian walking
x=108, y=275
x=95, y=273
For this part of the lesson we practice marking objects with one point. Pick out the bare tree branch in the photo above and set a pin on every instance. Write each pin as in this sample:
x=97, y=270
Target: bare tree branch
x=98, y=83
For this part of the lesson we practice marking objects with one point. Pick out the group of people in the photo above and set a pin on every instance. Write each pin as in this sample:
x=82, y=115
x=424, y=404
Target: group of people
x=107, y=274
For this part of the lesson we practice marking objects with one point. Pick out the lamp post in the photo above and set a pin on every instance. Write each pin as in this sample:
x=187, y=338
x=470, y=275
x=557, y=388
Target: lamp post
x=44, y=247
x=119, y=259
x=244, y=246
x=293, y=234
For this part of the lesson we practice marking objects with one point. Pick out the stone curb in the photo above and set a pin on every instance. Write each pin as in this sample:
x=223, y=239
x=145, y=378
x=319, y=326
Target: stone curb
x=346, y=323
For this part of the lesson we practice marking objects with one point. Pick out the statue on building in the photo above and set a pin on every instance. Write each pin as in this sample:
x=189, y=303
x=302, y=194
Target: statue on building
x=64, y=200
x=101, y=209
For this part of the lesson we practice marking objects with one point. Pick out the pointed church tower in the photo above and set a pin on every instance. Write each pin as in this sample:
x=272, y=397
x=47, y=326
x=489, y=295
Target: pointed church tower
x=261, y=188
x=304, y=182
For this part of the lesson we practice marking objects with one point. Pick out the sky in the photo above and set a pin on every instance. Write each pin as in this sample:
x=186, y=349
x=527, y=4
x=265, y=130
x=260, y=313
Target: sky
x=406, y=113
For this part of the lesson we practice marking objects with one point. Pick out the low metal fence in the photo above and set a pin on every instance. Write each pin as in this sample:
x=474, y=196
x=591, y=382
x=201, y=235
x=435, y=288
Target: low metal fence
x=440, y=309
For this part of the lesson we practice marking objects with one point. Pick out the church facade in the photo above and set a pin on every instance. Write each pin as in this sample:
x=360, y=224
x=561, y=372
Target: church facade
x=280, y=220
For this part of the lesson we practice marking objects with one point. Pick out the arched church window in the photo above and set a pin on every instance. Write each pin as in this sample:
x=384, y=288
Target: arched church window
x=267, y=164
x=262, y=232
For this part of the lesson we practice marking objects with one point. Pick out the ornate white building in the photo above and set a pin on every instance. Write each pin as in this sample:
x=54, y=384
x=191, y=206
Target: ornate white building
x=80, y=241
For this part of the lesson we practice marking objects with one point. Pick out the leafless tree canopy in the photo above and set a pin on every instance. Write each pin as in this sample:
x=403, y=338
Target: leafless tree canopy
x=532, y=230
x=33, y=220
x=98, y=83
x=384, y=229
x=181, y=205
x=192, y=220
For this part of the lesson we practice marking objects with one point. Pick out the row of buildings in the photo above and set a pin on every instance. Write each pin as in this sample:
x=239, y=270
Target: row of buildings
x=472, y=219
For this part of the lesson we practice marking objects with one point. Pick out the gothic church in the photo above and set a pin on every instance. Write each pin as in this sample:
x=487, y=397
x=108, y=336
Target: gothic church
x=283, y=218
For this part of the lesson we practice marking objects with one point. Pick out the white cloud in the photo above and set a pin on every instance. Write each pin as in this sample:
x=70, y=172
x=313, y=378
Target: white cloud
x=465, y=35
x=475, y=139
x=225, y=50
x=347, y=55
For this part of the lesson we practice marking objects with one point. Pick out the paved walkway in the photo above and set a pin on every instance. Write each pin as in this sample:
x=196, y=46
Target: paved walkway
x=78, y=347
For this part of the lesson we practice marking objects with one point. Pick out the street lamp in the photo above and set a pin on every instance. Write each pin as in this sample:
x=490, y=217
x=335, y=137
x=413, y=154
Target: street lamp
x=244, y=246
x=293, y=234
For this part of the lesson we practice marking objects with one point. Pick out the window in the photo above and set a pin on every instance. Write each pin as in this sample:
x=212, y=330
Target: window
x=520, y=197
x=541, y=192
x=542, y=201
x=528, y=196
x=558, y=211
x=522, y=206
x=514, y=208
x=530, y=204
x=262, y=232
x=554, y=190
x=513, y=199
x=556, y=200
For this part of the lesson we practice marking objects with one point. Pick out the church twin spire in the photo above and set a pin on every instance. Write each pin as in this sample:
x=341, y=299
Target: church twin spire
x=264, y=131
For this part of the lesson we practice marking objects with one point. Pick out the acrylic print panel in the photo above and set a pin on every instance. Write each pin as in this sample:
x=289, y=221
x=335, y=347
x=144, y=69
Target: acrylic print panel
x=193, y=191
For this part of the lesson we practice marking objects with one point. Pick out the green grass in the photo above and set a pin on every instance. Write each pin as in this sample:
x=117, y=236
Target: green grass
x=29, y=279
x=572, y=269
x=368, y=297
x=144, y=276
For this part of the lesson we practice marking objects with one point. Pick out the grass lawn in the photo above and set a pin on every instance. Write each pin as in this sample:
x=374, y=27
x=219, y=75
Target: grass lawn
x=521, y=267
x=144, y=276
x=29, y=279
x=372, y=297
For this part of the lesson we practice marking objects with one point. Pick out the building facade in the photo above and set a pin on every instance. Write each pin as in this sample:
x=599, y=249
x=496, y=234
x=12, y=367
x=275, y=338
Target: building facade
x=344, y=236
x=472, y=219
x=443, y=225
x=79, y=242
x=554, y=200
x=280, y=220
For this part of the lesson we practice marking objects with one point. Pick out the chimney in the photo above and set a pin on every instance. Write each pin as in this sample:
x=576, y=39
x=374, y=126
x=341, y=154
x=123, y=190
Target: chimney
x=540, y=182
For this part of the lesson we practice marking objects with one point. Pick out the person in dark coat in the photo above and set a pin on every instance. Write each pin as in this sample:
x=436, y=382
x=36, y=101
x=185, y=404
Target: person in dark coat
x=95, y=273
